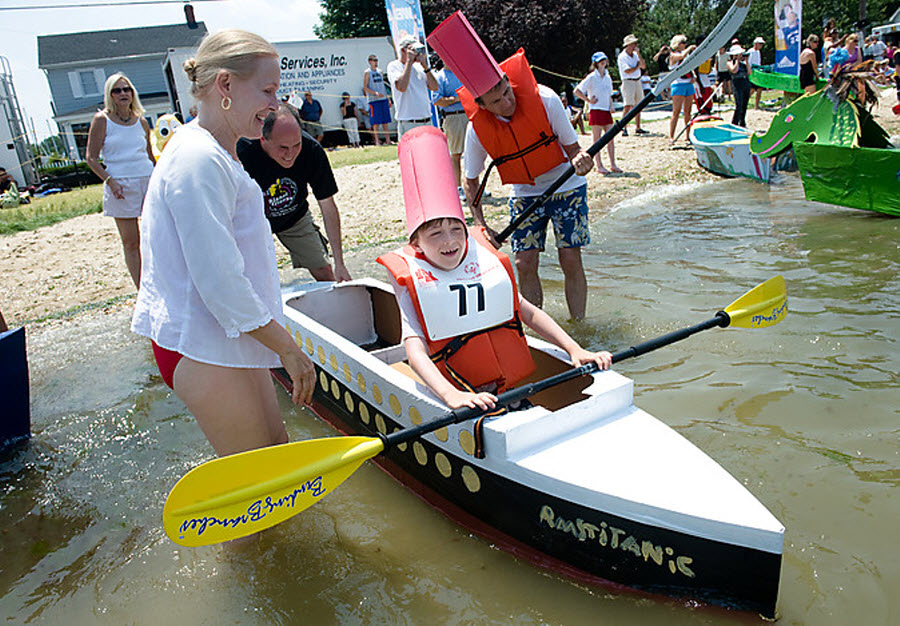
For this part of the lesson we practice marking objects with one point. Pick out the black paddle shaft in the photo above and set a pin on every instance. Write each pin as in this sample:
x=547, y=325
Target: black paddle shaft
x=463, y=414
x=593, y=150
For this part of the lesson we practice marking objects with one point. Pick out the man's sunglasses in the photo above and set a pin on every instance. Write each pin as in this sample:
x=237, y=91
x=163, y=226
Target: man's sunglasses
x=118, y=90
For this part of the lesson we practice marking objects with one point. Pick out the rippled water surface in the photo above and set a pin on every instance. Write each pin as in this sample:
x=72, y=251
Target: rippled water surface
x=805, y=414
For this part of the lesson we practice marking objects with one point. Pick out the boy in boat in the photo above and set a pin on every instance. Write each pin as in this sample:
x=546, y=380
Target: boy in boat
x=460, y=310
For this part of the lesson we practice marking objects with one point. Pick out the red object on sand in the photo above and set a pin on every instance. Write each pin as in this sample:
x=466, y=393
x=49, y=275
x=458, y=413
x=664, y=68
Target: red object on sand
x=896, y=109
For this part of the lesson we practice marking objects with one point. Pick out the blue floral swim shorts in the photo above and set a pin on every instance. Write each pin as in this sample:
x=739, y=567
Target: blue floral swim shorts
x=568, y=211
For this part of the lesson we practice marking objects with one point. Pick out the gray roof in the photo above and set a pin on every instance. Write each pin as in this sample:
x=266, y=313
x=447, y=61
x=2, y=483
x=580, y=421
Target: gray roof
x=116, y=44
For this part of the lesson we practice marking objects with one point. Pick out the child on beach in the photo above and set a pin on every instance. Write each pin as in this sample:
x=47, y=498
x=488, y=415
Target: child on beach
x=461, y=313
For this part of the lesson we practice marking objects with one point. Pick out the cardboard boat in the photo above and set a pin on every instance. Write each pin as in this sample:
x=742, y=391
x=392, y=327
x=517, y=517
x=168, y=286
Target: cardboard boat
x=583, y=482
x=724, y=149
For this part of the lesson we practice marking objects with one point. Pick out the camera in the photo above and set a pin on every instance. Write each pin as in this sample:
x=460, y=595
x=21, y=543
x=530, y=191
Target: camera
x=417, y=48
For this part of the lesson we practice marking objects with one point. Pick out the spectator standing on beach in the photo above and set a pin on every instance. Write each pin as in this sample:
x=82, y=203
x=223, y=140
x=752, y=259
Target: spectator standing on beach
x=311, y=113
x=755, y=60
x=682, y=87
x=454, y=122
x=596, y=89
x=210, y=298
x=349, y=120
x=809, y=65
x=631, y=65
x=739, y=66
x=379, y=105
x=723, y=76
x=661, y=58
x=524, y=129
x=411, y=78
x=121, y=134
x=285, y=162
x=576, y=114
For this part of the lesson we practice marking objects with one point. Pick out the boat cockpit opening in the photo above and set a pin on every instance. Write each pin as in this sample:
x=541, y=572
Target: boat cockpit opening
x=368, y=316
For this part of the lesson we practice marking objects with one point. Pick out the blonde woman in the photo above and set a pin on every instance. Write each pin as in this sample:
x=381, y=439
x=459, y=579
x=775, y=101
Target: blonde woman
x=682, y=88
x=122, y=135
x=210, y=297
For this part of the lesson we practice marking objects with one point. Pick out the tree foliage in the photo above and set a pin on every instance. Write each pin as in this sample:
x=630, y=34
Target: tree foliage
x=351, y=18
x=560, y=35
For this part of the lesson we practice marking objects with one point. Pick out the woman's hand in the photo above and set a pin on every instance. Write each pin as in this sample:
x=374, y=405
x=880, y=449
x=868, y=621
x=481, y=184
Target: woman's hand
x=115, y=188
x=303, y=375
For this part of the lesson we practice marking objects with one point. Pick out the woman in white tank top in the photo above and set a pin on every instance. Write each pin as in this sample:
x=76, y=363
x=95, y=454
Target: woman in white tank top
x=122, y=134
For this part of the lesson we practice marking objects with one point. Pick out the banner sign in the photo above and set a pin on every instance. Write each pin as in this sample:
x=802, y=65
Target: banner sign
x=405, y=18
x=788, y=17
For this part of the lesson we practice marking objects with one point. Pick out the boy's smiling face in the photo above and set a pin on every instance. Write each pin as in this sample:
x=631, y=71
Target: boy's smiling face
x=442, y=242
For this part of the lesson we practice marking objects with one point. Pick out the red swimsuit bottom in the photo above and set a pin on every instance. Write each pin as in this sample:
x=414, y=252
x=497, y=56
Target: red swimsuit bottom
x=166, y=361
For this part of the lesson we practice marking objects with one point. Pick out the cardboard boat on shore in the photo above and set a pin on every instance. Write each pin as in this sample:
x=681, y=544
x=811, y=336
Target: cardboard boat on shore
x=724, y=149
x=582, y=482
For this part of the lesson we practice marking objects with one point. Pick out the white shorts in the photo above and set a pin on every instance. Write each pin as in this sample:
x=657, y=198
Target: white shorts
x=632, y=91
x=129, y=206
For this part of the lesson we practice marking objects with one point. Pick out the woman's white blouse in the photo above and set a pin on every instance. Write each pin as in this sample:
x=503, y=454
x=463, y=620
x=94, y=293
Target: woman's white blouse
x=208, y=271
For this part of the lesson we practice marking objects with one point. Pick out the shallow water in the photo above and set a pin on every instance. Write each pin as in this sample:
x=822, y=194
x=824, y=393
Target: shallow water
x=804, y=414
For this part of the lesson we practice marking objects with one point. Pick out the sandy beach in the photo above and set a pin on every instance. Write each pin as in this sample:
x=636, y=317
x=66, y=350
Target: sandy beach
x=78, y=263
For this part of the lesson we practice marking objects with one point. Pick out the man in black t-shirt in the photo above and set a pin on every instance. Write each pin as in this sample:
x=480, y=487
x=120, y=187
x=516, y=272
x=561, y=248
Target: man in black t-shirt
x=285, y=162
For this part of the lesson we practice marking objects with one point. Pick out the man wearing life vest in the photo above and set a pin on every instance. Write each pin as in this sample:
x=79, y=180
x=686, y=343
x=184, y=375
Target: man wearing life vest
x=524, y=129
x=460, y=312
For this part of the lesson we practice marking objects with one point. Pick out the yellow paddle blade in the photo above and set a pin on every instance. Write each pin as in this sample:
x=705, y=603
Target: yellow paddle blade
x=764, y=305
x=242, y=494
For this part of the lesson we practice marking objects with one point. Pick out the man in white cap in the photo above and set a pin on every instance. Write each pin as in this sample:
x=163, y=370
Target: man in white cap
x=755, y=61
x=524, y=129
x=630, y=67
x=411, y=78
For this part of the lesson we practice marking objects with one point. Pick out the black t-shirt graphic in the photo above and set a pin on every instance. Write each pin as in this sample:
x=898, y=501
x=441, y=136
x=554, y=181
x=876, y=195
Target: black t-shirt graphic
x=285, y=190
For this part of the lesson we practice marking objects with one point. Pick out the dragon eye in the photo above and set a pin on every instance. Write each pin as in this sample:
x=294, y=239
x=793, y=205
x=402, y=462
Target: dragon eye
x=789, y=118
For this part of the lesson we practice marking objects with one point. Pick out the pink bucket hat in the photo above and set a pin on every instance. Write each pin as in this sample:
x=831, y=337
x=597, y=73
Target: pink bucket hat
x=462, y=50
x=429, y=186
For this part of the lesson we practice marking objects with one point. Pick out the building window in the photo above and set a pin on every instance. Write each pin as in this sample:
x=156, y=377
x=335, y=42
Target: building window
x=80, y=133
x=87, y=83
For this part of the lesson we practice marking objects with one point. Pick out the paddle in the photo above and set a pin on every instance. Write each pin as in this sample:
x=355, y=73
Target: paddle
x=706, y=50
x=238, y=495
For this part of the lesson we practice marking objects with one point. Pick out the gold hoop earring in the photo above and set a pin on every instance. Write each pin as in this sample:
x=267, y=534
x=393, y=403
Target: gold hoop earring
x=226, y=103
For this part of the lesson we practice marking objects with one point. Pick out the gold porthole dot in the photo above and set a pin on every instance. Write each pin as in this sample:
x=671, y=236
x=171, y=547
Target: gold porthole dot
x=395, y=405
x=335, y=390
x=361, y=382
x=467, y=442
x=443, y=464
x=414, y=416
x=379, y=423
x=347, y=375
x=323, y=381
x=321, y=355
x=287, y=327
x=442, y=434
x=309, y=346
x=348, y=401
x=471, y=480
x=364, y=413
x=298, y=338
x=334, y=364
x=420, y=452
x=376, y=394
x=401, y=446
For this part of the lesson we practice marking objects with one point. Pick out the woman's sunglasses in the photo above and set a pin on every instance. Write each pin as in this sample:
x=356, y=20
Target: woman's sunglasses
x=118, y=90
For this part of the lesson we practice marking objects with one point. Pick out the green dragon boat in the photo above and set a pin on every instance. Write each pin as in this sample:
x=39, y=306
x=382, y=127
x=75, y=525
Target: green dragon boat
x=844, y=156
x=763, y=76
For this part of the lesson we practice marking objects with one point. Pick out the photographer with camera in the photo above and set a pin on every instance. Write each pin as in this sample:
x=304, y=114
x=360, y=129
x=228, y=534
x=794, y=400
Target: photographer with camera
x=411, y=78
x=739, y=66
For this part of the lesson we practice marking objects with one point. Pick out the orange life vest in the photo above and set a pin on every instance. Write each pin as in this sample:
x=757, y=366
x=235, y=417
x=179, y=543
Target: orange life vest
x=482, y=356
x=528, y=131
